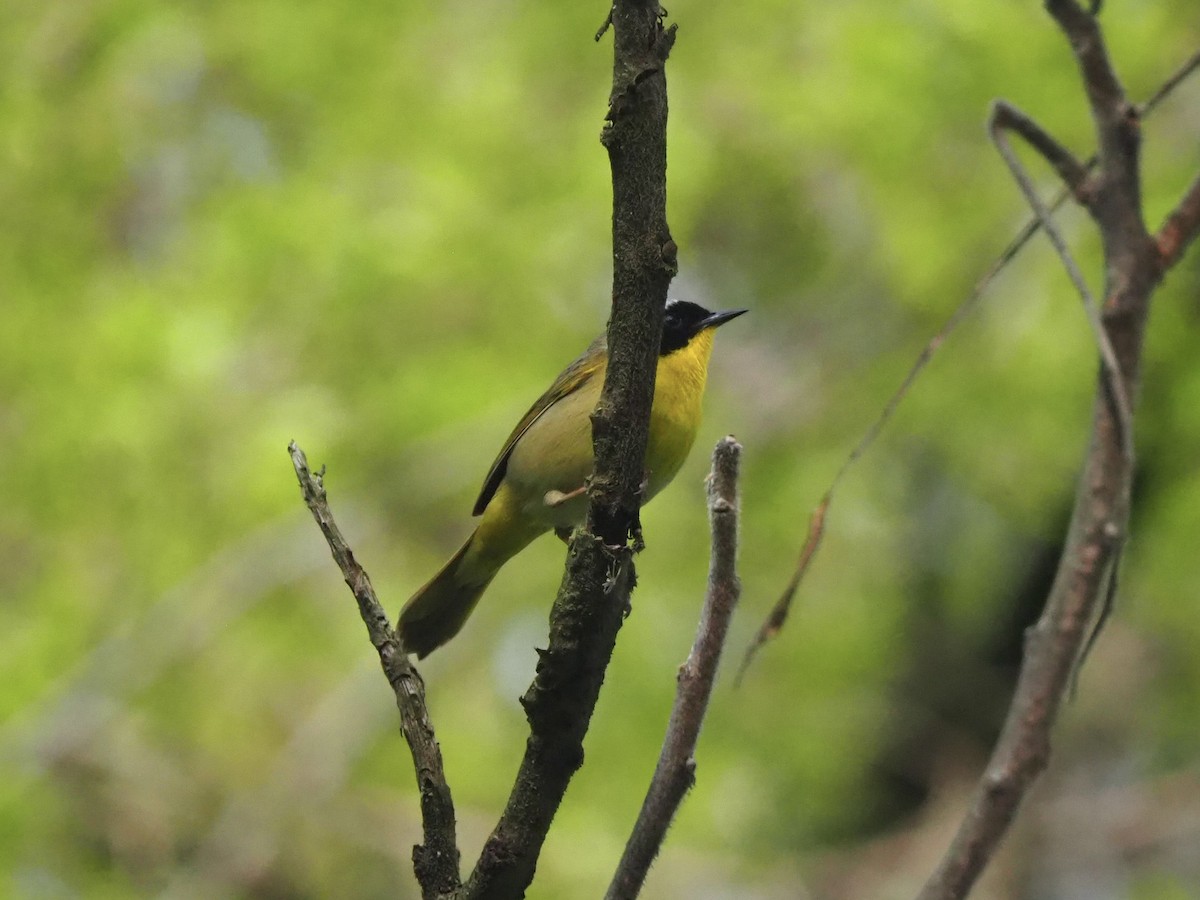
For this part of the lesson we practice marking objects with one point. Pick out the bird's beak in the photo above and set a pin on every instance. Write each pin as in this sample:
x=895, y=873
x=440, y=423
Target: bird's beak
x=720, y=318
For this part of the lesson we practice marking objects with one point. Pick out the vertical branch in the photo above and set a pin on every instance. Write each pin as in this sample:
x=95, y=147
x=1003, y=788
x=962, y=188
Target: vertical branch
x=1133, y=267
x=594, y=595
x=644, y=262
x=675, y=773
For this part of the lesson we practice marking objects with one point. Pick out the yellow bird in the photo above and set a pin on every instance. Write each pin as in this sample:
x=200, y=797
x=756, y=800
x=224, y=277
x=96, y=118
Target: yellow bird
x=537, y=483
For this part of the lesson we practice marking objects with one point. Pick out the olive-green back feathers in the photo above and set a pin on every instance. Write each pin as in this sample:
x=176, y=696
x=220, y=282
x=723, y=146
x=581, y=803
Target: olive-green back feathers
x=573, y=377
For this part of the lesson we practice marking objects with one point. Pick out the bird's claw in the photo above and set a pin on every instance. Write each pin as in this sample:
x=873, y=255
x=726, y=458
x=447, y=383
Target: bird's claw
x=635, y=533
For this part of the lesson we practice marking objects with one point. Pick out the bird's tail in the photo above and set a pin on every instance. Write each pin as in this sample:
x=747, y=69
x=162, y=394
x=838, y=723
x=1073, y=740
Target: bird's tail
x=437, y=611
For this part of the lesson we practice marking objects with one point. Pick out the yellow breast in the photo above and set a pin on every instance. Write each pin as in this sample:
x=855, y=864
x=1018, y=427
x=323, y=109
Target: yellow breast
x=675, y=416
x=555, y=454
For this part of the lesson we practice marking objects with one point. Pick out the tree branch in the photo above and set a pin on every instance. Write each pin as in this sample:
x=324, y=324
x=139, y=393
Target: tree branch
x=675, y=773
x=593, y=598
x=1074, y=174
x=436, y=861
x=1170, y=247
x=1133, y=267
x=1181, y=227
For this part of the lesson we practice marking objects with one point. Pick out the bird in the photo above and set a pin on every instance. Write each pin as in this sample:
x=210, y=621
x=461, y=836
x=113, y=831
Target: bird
x=538, y=481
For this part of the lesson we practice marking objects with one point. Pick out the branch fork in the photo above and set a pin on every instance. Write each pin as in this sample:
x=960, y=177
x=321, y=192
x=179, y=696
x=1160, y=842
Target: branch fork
x=1084, y=586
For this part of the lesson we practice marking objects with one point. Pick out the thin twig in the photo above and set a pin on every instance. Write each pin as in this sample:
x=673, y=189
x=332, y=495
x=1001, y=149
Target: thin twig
x=1168, y=87
x=1005, y=117
x=605, y=25
x=775, y=619
x=1180, y=228
x=675, y=773
x=778, y=615
x=436, y=861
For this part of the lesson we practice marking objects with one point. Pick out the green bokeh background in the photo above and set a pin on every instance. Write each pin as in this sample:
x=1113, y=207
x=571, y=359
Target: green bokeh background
x=380, y=229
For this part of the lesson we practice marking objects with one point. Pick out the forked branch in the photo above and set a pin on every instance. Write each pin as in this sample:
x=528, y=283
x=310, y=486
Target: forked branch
x=1174, y=237
x=1082, y=589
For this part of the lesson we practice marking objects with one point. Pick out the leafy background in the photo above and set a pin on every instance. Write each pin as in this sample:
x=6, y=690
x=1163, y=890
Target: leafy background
x=380, y=230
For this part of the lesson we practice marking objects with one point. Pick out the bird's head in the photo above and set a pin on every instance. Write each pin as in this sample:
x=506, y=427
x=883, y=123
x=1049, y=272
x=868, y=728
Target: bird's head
x=684, y=320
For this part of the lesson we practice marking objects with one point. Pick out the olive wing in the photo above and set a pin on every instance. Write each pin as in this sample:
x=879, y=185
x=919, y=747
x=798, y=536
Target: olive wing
x=572, y=378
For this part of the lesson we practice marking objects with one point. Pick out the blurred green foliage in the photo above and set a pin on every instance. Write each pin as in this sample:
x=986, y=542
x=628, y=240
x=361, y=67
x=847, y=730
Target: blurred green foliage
x=381, y=230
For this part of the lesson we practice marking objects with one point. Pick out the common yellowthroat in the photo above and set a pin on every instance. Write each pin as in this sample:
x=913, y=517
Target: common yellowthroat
x=537, y=483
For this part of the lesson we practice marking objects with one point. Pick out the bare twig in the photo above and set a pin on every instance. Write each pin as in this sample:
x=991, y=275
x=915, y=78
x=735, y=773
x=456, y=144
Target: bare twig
x=675, y=773
x=1180, y=228
x=1006, y=117
x=436, y=861
x=1170, y=249
x=594, y=595
x=605, y=25
x=1168, y=87
x=777, y=617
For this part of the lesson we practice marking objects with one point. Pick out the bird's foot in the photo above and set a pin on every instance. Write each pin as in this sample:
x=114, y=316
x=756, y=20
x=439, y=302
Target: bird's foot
x=635, y=532
x=563, y=533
